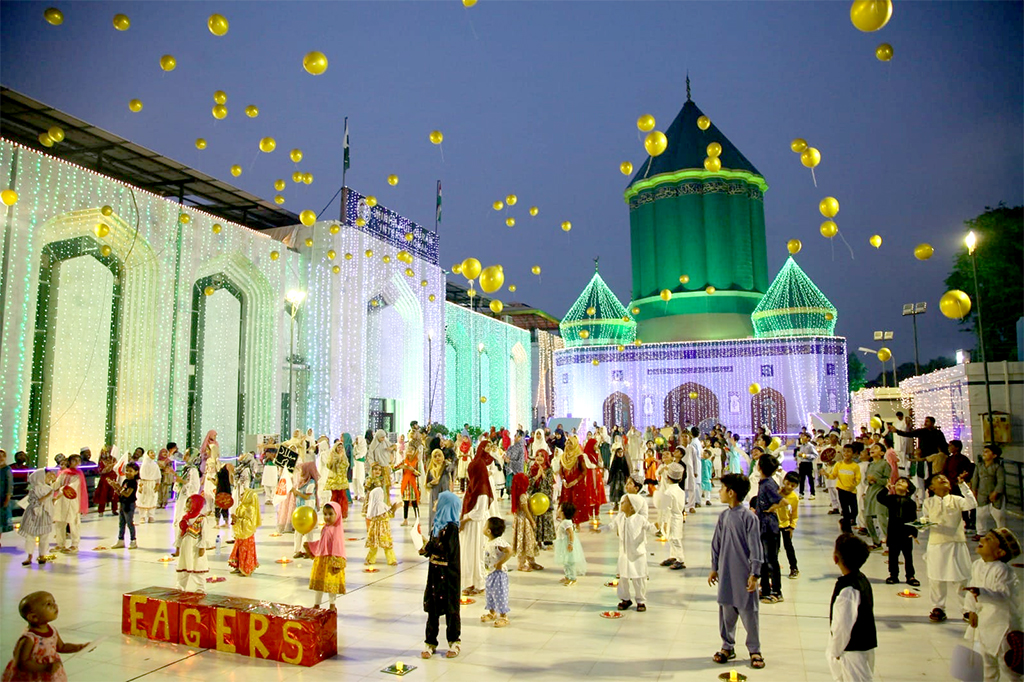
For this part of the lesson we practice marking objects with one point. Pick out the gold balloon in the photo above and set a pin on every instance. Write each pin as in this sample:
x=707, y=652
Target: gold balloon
x=635, y=310
x=334, y=229
x=236, y=170
x=307, y=179
x=105, y=250
x=216, y=228
x=409, y=236
x=626, y=167
x=9, y=197
x=955, y=304
x=457, y=269
x=595, y=362
x=220, y=97
x=304, y=520
x=219, y=111
x=510, y=221
x=512, y=288
x=665, y=295
x=591, y=310
x=511, y=199
x=584, y=334
x=45, y=140
x=876, y=423
x=404, y=256
x=830, y=316
x=646, y=124
x=923, y=251
x=884, y=354
x=135, y=105
x=829, y=207
x=794, y=246
x=870, y=15
x=710, y=290
x=409, y=272
x=620, y=348
x=56, y=133
x=331, y=254
x=335, y=269
x=295, y=155
x=539, y=502
x=655, y=143
x=684, y=279
x=712, y=164
x=436, y=136
x=424, y=282
x=875, y=241
x=637, y=342
x=470, y=3
x=168, y=62
x=309, y=242
x=471, y=268
x=209, y=291
x=217, y=24
x=483, y=399
x=829, y=229
x=107, y=211
x=101, y=230
x=491, y=279
x=535, y=269
x=184, y=218
x=252, y=111
x=53, y=16
x=810, y=157
x=754, y=388
x=693, y=395
x=884, y=52
x=432, y=298
x=703, y=122
x=368, y=253
x=371, y=201
x=798, y=145
x=348, y=256
x=307, y=217
x=566, y=226
x=497, y=205
x=279, y=185
x=297, y=177
x=274, y=255
x=392, y=179
x=268, y=144
x=496, y=306
x=278, y=199
x=714, y=149
x=200, y=143
x=534, y=210
x=315, y=63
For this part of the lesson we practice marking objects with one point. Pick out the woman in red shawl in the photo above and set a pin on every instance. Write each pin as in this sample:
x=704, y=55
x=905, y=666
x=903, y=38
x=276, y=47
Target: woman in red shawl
x=574, y=478
x=595, y=480
x=105, y=491
x=475, y=512
x=542, y=480
x=506, y=440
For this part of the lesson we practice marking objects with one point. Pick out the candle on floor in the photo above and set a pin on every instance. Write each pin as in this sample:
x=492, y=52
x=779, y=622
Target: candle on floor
x=399, y=666
x=733, y=677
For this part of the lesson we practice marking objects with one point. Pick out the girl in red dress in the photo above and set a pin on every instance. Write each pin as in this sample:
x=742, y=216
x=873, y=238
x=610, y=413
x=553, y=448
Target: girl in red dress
x=574, y=478
x=595, y=481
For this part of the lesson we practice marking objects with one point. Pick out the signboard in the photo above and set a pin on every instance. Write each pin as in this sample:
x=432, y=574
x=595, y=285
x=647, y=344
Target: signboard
x=390, y=227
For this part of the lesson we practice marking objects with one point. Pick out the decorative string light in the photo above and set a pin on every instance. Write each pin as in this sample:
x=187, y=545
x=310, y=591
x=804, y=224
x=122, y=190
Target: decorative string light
x=793, y=306
x=597, y=318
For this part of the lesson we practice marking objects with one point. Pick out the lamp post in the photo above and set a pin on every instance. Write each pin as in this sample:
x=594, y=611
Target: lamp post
x=294, y=298
x=887, y=336
x=915, y=309
x=430, y=375
x=971, y=240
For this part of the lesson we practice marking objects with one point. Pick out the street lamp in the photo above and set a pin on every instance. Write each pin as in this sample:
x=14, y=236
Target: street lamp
x=430, y=375
x=887, y=336
x=915, y=309
x=294, y=298
x=872, y=351
x=971, y=240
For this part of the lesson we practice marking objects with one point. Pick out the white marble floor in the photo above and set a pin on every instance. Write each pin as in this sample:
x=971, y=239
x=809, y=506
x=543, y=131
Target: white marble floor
x=556, y=632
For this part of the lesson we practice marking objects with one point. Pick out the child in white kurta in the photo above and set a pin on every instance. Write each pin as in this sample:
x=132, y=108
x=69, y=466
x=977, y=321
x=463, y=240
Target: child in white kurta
x=192, y=562
x=149, y=487
x=992, y=601
x=269, y=479
x=673, y=507
x=632, y=525
x=67, y=511
x=947, y=558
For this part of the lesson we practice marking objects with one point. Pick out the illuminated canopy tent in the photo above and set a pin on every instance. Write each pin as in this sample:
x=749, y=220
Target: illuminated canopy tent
x=793, y=306
x=597, y=318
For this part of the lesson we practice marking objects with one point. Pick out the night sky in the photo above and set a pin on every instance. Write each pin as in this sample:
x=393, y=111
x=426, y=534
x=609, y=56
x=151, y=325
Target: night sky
x=541, y=99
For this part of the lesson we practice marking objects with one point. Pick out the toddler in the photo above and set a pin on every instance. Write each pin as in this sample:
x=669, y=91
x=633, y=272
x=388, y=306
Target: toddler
x=568, y=550
x=378, y=527
x=328, y=573
x=244, y=523
x=37, y=652
x=37, y=519
x=948, y=561
x=851, y=616
x=496, y=555
x=192, y=562
x=899, y=534
x=992, y=600
x=632, y=525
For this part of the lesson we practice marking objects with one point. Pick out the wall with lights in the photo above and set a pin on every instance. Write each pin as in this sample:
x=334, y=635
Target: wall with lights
x=704, y=382
x=544, y=347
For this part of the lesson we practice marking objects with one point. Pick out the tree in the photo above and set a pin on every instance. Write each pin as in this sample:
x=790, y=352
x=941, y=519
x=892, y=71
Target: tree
x=856, y=372
x=1000, y=233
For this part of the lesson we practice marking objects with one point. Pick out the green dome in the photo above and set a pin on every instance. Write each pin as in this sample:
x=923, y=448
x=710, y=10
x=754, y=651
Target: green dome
x=599, y=316
x=793, y=306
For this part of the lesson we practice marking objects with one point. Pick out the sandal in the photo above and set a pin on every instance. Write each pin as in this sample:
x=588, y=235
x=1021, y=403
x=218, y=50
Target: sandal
x=937, y=616
x=724, y=656
x=428, y=652
x=756, y=661
x=487, y=617
x=501, y=622
x=453, y=651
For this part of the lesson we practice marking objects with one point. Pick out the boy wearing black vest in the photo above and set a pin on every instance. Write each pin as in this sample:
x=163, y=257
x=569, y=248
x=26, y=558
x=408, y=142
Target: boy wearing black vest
x=851, y=646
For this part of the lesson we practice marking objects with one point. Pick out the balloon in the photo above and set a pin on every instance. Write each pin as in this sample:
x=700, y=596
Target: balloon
x=209, y=291
x=496, y=306
x=307, y=179
x=535, y=269
x=107, y=211
x=775, y=443
x=712, y=164
x=56, y=134
x=335, y=269
x=404, y=256
x=591, y=310
x=714, y=149
x=595, y=362
x=876, y=423
x=9, y=197
x=637, y=342
x=794, y=246
x=274, y=255
x=468, y=3
x=307, y=217
x=252, y=111
x=534, y=210
x=693, y=395
x=497, y=205
x=665, y=294
x=409, y=236
x=483, y=399
x=754, y=388
x=168, y=62
x=101, y=230
x=348, y=256
x=511, y=199
x=135, y=105
x=566, y=226
x=436, y=136
x=620, y=348
x=309, y=242
x=655, y=143
x=703, y=122
x=268, y=144
x=409, y=272
x=334, y=229
x=424, y=282
x=798, y=145
x=368, y=253
x=810, y=157
x=315, y=63
x=829, y=229
x=432, y=298
x=279, y=185
x=471, y=268
x=875, y=240
x=217, y=24
x=884, y=354
x=371, y=200
x=392, y=179
x=510, y=221
x=295, y=155
x=870, y=15
x=684, y=279
x=304, y=520
x=386, y=258
x=625, y=167
x=829, y=316
x=955, y=304
x=635, y=311
x=710, y=290
x=105, y=250
x=829, y=206
x=512, y=288
x=45, y=140
x=200, y=143
x=491, y=279
x=216, y=228
x=53, y=16
x=331, y=254
x=236, y=170
x=584, y=334
x=884, y=52
x=923, y=251
x=297, y=177
x=539, y=504
x=278, y=199
x=659, y=441
x=646, y=124
x=457, y=269
x=220, y=97
x=184, y=218
x=219, y=111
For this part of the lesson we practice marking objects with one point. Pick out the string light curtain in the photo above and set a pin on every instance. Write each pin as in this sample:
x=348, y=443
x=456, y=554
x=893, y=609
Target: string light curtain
x=942, y=394
x=793, y=306
x=597, y=318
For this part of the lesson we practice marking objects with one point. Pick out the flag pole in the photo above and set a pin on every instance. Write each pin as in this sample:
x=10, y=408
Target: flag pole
x=344, y=170
x=437, y=208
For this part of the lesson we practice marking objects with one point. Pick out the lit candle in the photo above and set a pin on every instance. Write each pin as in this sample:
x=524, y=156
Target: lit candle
x=733, y=677
x=399, y=666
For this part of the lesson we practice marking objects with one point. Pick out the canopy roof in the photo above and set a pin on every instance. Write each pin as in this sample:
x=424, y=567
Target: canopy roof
x=793, y=306
x=597, y=318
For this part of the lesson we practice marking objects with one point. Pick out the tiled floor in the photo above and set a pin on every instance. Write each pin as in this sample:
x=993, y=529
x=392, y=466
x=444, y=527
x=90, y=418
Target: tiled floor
x=556, y=632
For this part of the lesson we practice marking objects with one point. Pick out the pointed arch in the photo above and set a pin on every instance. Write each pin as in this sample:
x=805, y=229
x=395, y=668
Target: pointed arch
x=768, y=409
x=691, y=403
x=617, y=410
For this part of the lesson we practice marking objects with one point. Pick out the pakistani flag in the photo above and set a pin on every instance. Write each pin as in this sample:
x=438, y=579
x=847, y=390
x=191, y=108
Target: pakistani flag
x=437, y=217
x=348, y=160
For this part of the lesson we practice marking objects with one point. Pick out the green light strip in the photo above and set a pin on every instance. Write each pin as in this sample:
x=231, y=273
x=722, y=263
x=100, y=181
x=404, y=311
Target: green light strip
x=789, y=311
x=694, y=294
x=693, y=174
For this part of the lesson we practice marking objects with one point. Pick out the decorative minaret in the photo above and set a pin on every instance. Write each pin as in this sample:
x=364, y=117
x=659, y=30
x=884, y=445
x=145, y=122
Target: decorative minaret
x=702, y=227
x=597, y=318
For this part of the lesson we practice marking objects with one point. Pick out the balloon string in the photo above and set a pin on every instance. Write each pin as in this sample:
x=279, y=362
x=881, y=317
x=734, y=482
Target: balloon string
x=832, y=244
x=814, y=178
x=441, y=147
x=650, y=159
x=847, y=245
x=252, y=163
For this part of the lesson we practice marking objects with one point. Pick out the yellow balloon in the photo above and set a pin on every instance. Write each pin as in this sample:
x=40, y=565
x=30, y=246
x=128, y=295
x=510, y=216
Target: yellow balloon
x=105, y=250
x=122, y=22
x=409, y=272
x=457, y=269
x=566, y=226
x=584, y=334
x=512, y=288
x=219, y=111
x=635, y=310
x=101, y=230
x=392, y=179
x=884, y=52
x=252, y=111
x=829, y=229
x=107, y=211
x=56, y=133
x=830, y=316
x=268, y=144
x=637, y=342
x=209, y=291
x=870, y=15
x=334, y=229
x=45, y=140
x=217, y=24
x=534, y=210
x=468, y=3
x=279, y=185
x=404, y=256
x=620, y=348
x=955, y=304
x=309, y=242
x=348, y=256
x=274, y=255
x=829, y=207
x=884, y=354
x=135, y=105
x=216, y=228
x=236, y=170
x=656, y=143
x=810, y=157
x=371, y=201
x=684, y=279
x=712, y=164
x=184, y=218
x=497, y=205
x=168, y=62
x=315, y=63
x=714, y=149
x=424, y=282
x=436, y=136
x=409, y=236
x=591, y=310
x=297, y=177
x=754, y=388
x=335, y=269
x=875, y=241
x=307, y=179
x=511, y=199
x=923, y=251
x=331, y=254
x=496, y=306
x=626, y=167
x=368, y=253
x=703, y=122
x=539, y=504
x=646, y=124
x=798, y=145
x=693, y=395
x=710, y=290
x=483, y=399
x=875, y=423
x=595, y=362
x=535, y=269
x=9, y=197
x=794, y=246
x=432, y=298
x=220, y=97
x=304, y=520
x=278, y=199
x=53, y=16
x=200, y=143
x=295, y=155
x=510, y=221
x=665, y=294
x=307, y=217
x=471, y=268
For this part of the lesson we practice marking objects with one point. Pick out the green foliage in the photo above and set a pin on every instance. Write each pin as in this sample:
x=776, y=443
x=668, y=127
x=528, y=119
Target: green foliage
x=855, y=371
x=1000, y=253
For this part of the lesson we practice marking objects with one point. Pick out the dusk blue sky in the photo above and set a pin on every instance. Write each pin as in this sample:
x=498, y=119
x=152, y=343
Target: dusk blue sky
x=540, y=99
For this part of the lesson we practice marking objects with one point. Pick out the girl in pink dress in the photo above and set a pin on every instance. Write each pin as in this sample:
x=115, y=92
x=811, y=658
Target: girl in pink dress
x=37, y=653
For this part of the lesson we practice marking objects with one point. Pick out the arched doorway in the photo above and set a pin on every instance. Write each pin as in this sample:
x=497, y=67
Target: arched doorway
x=691, y=403
x=768, y=409
x=618, y=410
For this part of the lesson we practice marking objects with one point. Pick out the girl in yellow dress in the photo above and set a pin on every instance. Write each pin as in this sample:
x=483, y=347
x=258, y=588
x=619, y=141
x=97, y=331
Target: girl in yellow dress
x=378, y=527
x=328, y=574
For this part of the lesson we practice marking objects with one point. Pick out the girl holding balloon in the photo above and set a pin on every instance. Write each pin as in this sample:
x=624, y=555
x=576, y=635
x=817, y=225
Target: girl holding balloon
x=524, y=527
x=305, y=493
x=328, y=573
x=542, y=481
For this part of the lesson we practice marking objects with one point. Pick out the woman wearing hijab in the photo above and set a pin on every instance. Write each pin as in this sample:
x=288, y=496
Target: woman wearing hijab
x=441, y=595
x=379, y=452
x=149, y=487
x=542, y=480
x=618, y=472
x=595, y=481
x=475, y=512
x=438, y=480
x=559, y=439
x=573, y=472
x=244, y=523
